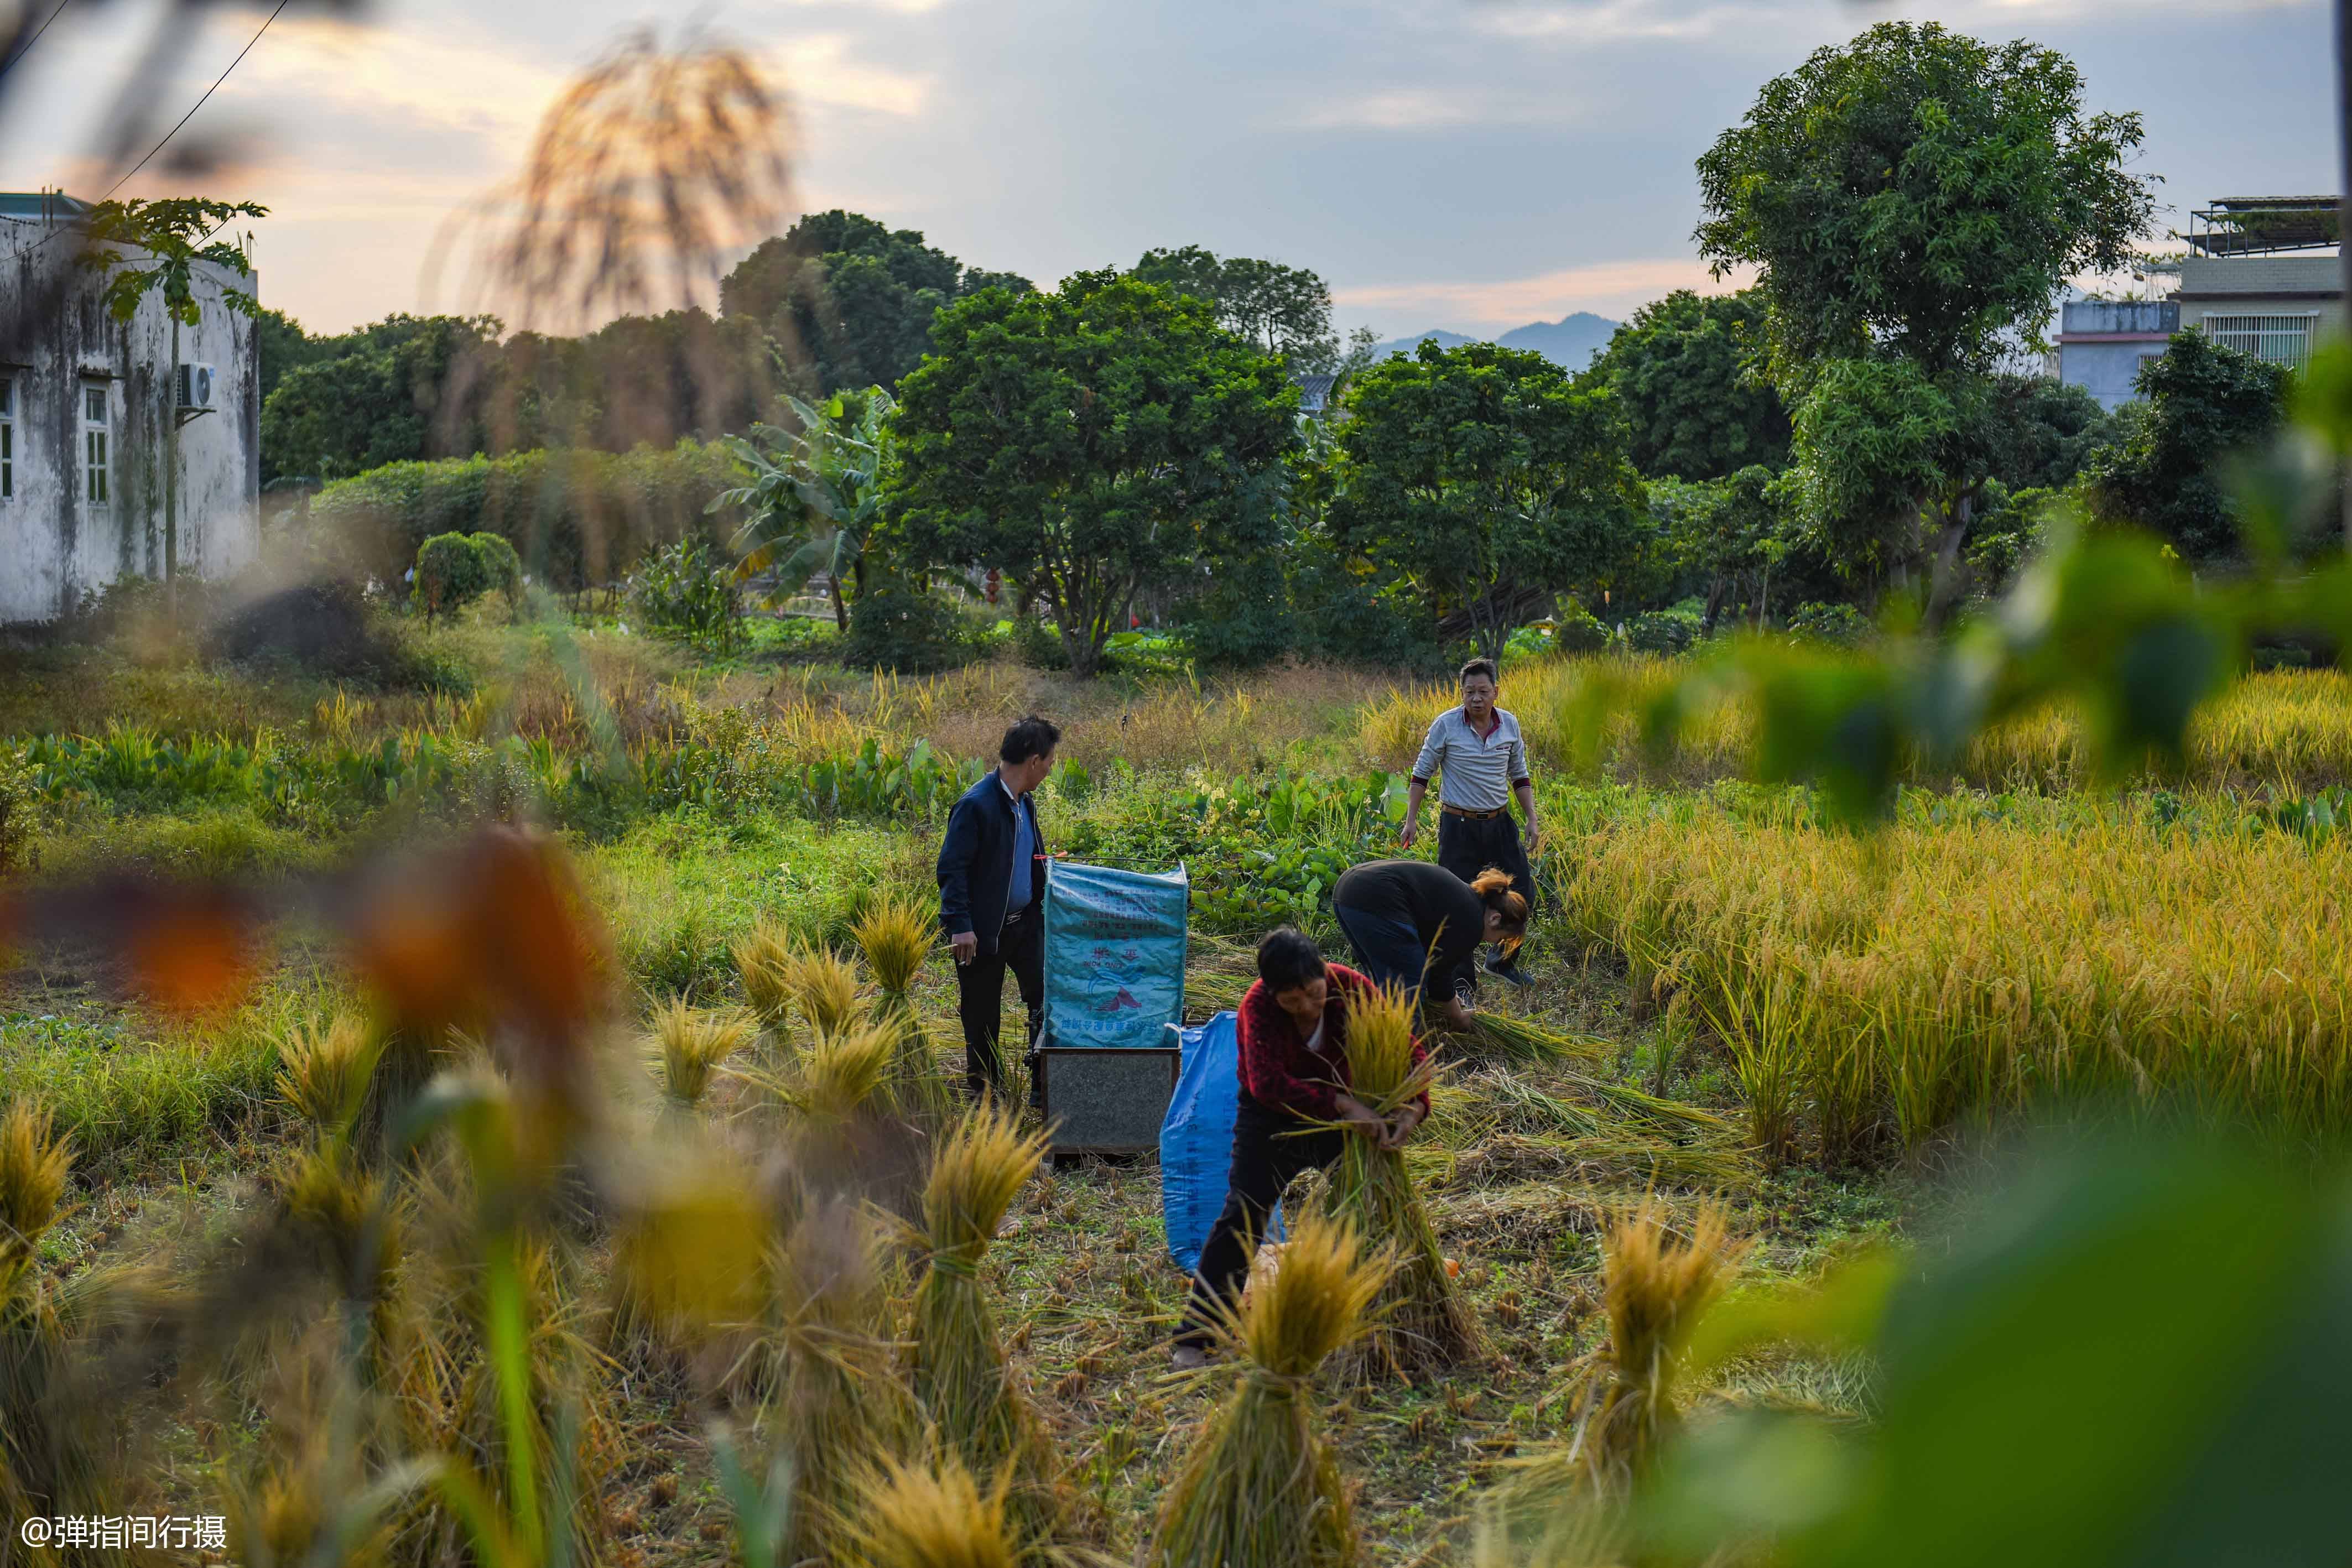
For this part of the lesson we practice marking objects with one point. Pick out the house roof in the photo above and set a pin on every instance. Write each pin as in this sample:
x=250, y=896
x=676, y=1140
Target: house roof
x=40, y=203
x=1314, y=391
x=2259, y=226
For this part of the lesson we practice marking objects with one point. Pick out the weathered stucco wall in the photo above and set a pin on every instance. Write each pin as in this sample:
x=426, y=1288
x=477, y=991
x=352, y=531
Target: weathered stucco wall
x=56, y=340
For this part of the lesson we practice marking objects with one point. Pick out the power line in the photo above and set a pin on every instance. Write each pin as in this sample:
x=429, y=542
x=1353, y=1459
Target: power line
x=199, y=103
x=26, y=46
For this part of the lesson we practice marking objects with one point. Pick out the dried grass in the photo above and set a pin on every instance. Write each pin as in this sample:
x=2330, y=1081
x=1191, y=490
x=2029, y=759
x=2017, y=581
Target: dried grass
x=325, y=1071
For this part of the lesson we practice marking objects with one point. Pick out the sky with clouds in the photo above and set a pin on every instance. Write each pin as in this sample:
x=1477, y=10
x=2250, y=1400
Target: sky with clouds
x=1472, y=164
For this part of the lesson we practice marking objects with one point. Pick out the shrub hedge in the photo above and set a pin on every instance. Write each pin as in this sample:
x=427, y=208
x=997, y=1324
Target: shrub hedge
x=575, y=518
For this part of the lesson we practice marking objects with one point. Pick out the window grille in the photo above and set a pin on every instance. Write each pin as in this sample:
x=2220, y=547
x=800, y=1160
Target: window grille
x=7, y=438
x=2279, y=340
x=93, y=444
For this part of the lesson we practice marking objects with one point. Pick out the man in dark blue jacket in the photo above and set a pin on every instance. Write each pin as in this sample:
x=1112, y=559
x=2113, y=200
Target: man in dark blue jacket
x=992, y=887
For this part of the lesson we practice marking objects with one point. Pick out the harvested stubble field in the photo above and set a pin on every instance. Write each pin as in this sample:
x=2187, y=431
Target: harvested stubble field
x=1789, y=1023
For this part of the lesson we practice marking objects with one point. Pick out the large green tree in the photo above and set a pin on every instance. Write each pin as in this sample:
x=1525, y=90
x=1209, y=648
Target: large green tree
x=2201, y=403
x=849, y=301
x=1684, y=370
x=1913, y=202
x=1492, y=479
x=1285, y=311
x=380, y=402
x=1093, y=442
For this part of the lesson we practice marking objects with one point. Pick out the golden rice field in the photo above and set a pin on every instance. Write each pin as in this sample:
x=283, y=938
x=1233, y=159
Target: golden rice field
x=2287, y=729
x=1885, y=988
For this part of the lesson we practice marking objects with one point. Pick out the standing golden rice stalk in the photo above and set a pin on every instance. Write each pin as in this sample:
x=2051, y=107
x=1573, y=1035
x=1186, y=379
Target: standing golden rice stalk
x=1656, y=1287
x=688, y=1045
x=912, y=1515
x=324, y=1072
x=1259, y=1488
x=962, y=1375
x=1423, y=1321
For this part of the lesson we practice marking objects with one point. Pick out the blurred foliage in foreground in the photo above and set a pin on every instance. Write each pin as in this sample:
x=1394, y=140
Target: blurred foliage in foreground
x=2112, y=621
x=2135, y=1354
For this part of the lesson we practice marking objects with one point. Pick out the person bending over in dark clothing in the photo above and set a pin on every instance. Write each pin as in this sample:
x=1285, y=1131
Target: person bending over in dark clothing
x=1407, y=918
x=1294, y=1113
x=992, y=875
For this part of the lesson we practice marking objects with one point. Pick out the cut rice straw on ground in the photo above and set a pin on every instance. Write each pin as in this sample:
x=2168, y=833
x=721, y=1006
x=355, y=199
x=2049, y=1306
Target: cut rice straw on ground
x=1424, y=1322
x=1259, y=1485
x=918, y=1515
x=894, y=934
x=688, y=1045
x=962, y=1376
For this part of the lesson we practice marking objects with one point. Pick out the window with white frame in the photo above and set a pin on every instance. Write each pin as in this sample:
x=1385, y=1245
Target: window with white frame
x=94, y=431
x=7, y=438
x=2279, y=340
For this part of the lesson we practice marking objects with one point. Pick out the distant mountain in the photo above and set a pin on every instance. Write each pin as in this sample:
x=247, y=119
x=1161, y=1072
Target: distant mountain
x=1569, y=342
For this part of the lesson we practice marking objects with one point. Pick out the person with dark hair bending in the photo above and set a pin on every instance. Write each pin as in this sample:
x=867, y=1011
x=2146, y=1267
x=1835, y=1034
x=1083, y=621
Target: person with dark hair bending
x=1407, y=918
x=991, y=874
x=1295, y=1111
x=1481, y=764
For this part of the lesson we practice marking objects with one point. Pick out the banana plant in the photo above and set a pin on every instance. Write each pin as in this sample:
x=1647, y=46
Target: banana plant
x=812, y=494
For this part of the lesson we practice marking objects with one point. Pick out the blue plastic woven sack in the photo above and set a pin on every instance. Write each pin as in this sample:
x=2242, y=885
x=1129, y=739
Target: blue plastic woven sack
x=1196, y=1139
x=1114, y=954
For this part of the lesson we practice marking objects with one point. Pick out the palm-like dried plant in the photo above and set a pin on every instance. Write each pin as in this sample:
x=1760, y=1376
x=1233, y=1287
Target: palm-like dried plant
x=649, y=176
x=1259, y=1485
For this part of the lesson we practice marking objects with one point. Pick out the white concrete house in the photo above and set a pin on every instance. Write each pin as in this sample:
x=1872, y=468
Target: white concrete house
x=91, y=411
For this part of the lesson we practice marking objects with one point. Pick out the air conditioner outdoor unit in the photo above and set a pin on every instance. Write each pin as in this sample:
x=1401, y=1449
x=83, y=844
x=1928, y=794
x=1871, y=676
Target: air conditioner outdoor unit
x=196, y=388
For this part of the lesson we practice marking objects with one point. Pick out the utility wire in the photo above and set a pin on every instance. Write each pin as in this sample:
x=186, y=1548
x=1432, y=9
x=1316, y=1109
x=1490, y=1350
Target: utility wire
x=200, y=102
x=21, y=50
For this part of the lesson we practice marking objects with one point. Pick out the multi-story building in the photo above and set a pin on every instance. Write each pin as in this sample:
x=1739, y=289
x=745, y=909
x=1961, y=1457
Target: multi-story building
x=119, y=457
x=2247, y=282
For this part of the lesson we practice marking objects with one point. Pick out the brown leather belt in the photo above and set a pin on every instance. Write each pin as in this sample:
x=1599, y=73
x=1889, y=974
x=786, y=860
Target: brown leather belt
x=1474, y=816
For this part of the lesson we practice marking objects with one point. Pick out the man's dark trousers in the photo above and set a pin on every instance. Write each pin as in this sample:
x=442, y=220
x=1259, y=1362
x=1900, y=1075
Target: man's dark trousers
x=1468, y=845
x=1271, y=1147
x=980, y=998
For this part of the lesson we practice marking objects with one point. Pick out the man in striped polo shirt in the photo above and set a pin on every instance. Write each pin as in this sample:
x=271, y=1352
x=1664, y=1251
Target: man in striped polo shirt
x=1476, y=752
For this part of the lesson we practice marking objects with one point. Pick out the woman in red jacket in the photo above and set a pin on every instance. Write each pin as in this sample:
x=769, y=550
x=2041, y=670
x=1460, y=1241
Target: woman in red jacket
x=1295, y=1110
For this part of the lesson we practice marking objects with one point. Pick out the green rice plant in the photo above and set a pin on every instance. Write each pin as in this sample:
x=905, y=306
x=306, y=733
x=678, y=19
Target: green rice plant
x=690, y=1045
x=326, y=1071
x=1259, y=1488
x=912, y=1514
x=1425, y=1321
x=966, y=1385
